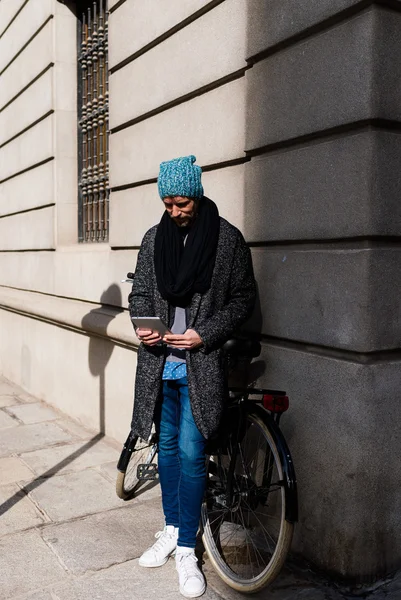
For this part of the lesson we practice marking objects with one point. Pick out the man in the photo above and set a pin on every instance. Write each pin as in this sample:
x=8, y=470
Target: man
x=194, y=271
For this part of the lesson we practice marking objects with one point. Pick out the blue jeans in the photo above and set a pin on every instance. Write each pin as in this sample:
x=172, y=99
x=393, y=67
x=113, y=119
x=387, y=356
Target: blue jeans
x=182, y=468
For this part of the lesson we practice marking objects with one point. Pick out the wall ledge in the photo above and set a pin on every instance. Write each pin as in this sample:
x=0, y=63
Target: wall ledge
x=111, y=323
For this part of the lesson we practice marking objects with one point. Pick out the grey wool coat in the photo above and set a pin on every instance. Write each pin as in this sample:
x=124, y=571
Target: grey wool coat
x=214, y=315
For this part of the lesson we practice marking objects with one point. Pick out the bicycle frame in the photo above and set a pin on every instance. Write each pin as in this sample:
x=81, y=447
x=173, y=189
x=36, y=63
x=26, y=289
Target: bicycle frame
x=244, y=405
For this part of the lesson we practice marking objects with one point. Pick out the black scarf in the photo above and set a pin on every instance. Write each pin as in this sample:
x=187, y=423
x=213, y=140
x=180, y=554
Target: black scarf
x=183, y=270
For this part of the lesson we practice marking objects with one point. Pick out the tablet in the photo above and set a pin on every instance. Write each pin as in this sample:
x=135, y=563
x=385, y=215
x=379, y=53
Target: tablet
x=154, y=323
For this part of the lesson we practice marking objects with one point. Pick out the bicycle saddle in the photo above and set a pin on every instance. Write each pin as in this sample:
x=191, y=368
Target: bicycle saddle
x=245, y=347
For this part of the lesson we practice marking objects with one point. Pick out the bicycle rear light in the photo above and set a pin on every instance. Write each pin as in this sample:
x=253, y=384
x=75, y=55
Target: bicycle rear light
x=276, y=404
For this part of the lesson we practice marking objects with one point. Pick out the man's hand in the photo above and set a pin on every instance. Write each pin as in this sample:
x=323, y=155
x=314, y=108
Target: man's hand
x=186, y=341
x=148, y=336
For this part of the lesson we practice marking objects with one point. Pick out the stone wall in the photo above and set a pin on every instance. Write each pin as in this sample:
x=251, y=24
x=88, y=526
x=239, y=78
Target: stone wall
x=292, y=109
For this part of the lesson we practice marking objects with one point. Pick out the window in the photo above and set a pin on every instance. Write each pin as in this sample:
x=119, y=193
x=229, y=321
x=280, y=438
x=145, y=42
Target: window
x=93, y=122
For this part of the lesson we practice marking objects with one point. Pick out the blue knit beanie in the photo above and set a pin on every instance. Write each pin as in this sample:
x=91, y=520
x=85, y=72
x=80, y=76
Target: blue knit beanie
x=180, y=177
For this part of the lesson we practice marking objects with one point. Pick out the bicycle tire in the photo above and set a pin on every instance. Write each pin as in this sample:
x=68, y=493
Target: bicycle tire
x=221, y=555
x=127, y=482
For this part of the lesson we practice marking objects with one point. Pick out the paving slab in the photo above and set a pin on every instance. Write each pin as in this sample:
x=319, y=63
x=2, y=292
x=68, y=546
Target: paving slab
x=37, y=595
x=17, y=512
x=109, y=470
x=8, y=388
x=73, y=495
x=24, y=396
x=12, y=469
x=70, y=457
x=31, y=437
x=100, y=541
x=289, y=585
x=127, y=580
x=9, y=400
x=33, y=413
x=26, y=564
x=150, y=489
x=7, y=421
x=75, y=429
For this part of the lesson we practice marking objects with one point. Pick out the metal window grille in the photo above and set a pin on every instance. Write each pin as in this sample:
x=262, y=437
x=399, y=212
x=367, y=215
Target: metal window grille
x=93, y=122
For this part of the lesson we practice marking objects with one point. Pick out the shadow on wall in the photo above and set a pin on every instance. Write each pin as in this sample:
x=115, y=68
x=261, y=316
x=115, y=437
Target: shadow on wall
x=72, y=5
x=100, y=349
x=248, y=371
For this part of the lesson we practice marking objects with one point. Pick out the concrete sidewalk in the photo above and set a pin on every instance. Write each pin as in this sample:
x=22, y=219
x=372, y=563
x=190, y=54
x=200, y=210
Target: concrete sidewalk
x=64, y=534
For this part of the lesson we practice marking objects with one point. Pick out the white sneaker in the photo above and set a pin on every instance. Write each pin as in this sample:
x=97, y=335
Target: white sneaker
x=158, y=554
x=192, y=583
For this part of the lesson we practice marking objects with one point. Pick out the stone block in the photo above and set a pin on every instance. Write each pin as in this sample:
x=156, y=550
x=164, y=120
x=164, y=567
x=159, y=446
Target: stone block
x=30, y=106
x=226, y=187
x=31, y=437
x=70, y=457
x=330, y=297
x=92, y=271
x=133, y=25
x=219, y=37
x=23, y=28
x=65, y=144
x=29, y=190
x=65, y=85
x=66, y=170
x=74, y=495
x=32, y=61
x=8, y=10
x=99, y=541
x=103, y=376
x=211, y=126
x=387, y=68
x=28, y=224
x=31, y=147
x=32, y=270
x=16, y=510
x=33, y=413
x=27, y=563
x=67, y=223
x=65, y=51
x=142, y=208
x=269, y=22
x=326, y=81
x=6, y=420
x=12, y=469
x=342, y=430
x=343, y=187
x=308, y=88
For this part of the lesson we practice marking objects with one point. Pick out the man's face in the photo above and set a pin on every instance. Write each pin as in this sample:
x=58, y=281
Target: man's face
x=181, y=209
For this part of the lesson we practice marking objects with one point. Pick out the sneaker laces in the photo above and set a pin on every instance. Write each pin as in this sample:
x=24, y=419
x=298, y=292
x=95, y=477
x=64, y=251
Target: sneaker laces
x=188, y=563
x=162, y=538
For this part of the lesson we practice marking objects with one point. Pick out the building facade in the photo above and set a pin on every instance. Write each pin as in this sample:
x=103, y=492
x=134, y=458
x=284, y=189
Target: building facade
x=293, y=109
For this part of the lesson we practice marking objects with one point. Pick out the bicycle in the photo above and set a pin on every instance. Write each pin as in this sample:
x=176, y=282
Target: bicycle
x=250, y=504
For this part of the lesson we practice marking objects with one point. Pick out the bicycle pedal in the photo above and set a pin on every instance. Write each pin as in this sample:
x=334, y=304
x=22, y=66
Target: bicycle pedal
x=147, y=472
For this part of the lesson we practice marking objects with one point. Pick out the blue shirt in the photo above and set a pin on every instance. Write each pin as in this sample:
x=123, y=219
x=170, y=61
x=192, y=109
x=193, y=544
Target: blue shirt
x=174, y=370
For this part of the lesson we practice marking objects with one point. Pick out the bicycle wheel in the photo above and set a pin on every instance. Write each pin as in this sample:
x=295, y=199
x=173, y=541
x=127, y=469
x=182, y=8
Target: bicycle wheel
x=247, y=540
x=127, y=483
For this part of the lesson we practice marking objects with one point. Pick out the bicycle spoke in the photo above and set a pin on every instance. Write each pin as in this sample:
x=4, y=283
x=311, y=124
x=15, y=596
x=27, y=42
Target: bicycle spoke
x=247, y=546
x=263, y=528
x=249, y=539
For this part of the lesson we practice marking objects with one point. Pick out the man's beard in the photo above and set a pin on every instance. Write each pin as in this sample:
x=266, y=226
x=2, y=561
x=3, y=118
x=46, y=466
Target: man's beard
x=184, y=222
